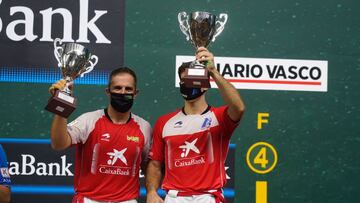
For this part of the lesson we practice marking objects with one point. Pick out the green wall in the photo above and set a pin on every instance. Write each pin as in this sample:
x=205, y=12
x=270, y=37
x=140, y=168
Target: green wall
x=316, y=134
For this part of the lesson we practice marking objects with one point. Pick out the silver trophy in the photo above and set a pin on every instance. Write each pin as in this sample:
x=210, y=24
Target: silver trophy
x=200, y=28
x=74, y=60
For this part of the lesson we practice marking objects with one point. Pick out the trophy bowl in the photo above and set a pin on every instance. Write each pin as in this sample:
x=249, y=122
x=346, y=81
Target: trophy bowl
x=200, y=28
x=74, y=60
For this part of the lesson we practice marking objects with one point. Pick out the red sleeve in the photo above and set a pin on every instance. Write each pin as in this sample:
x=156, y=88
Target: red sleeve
x=227, y=125
x=157, y=150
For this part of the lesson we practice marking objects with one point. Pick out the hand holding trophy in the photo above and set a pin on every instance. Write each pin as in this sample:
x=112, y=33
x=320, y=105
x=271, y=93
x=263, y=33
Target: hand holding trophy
x=74, y=60
x=200, y=28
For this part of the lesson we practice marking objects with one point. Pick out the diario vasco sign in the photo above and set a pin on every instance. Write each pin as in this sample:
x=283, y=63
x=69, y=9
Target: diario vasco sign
x=269, y=73
x=272, y=71
x=26, y=24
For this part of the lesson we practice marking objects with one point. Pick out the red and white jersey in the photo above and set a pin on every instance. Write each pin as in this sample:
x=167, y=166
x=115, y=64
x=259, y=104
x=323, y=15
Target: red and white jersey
x=108, y=156
x=194, y=149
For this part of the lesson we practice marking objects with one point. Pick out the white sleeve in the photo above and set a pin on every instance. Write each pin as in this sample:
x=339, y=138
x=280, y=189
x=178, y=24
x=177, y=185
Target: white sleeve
x=148, y=140
x=81, y=127
x=147, y=132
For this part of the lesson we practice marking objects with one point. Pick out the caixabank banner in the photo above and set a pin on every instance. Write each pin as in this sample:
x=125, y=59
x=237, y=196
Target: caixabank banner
x=28, y=30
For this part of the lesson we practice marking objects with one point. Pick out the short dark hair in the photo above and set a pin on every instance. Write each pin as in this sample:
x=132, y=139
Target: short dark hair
x=120, y=71
x=182, y=68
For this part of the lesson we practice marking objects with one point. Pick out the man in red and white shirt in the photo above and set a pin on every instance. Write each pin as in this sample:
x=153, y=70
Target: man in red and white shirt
x=193, y=143
x=110, y=144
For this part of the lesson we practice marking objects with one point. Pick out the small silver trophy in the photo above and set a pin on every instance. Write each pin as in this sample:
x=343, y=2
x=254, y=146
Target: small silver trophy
x=74, y=60
x=200, y=28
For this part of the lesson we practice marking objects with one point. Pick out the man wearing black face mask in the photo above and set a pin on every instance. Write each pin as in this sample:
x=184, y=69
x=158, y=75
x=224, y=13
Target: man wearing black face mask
x=111, y=144
x=193, y=142
x=189, y=93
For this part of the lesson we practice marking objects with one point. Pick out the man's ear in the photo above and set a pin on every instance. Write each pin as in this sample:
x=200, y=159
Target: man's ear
x=136, y=92
x=107, y=91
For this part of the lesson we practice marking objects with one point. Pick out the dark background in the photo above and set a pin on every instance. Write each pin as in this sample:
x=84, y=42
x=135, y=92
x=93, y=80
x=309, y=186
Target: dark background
x=40, y=54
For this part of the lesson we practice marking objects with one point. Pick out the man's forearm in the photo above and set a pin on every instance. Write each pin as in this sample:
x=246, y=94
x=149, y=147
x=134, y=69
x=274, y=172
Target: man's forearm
x=230, y=94
x=153, y=176
x=59, y=135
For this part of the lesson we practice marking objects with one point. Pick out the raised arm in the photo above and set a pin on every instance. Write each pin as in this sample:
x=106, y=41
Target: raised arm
x=60, y=138
x=228, y=92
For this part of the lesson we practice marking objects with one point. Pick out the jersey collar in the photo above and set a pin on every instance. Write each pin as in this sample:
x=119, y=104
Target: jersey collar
x=108, y=117
x=204, y=112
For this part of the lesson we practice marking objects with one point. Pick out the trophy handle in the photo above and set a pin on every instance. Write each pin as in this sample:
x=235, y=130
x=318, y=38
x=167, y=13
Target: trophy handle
x=183, y=19
x=220, y=24
x=92, y=65
x=58, y=50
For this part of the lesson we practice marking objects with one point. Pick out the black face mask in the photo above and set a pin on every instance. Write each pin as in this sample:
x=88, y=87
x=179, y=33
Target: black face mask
x=121, y=102
x=190, y=93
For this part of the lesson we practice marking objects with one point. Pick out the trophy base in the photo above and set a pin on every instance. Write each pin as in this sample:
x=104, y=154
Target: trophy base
x=196, y=77
x=61, y=104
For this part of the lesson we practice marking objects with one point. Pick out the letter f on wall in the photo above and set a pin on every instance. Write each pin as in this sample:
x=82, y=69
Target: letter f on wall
x=262, y=118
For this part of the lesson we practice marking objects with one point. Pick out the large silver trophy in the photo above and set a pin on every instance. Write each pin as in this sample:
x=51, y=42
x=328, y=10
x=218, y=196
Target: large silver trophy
x=200, y=28
x=74, y=60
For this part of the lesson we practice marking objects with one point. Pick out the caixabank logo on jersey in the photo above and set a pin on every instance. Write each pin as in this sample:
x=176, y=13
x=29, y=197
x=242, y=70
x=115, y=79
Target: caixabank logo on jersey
x=28, y=29
x=191, y=151
x=184, y=160
x=269, y=74
x=117, y=163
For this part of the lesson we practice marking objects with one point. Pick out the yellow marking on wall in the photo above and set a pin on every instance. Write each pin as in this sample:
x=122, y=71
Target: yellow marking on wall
x=261, y=191
x=262, y=118
x=261, y=157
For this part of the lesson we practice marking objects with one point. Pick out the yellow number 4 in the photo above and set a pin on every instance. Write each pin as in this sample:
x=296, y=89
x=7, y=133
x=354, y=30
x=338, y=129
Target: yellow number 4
x=260, y=158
